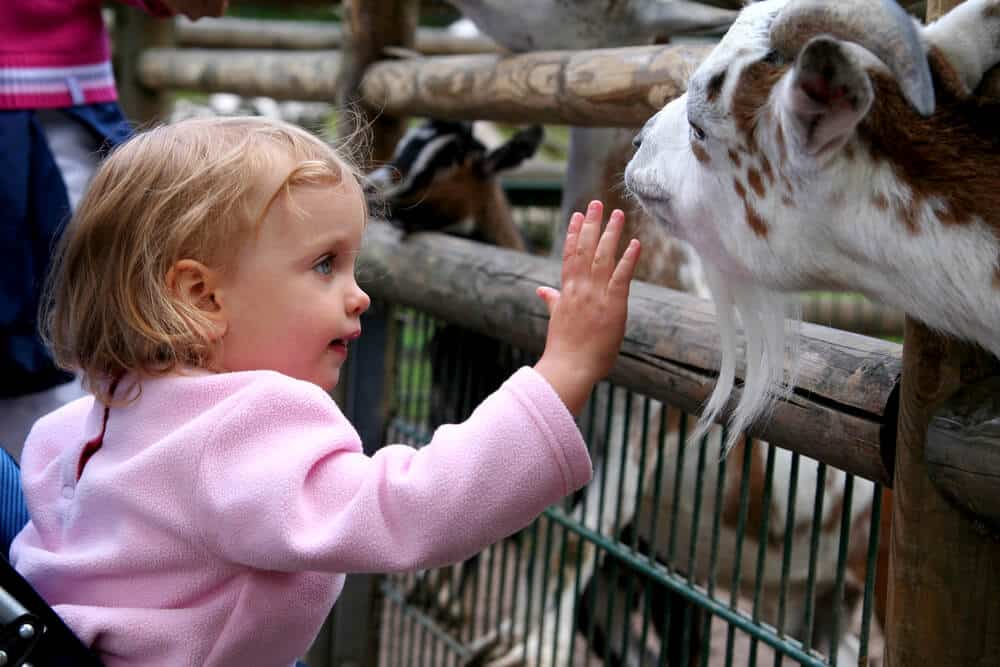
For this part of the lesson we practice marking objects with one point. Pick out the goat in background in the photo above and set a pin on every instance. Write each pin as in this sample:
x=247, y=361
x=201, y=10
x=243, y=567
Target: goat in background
x=442, y=177
x=430, y=161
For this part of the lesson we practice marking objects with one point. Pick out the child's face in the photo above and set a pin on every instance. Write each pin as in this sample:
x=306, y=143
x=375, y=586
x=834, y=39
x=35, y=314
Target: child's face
x=291, y=302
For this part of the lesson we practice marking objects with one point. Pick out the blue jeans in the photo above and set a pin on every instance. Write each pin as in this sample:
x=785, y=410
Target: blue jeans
x=35, y=208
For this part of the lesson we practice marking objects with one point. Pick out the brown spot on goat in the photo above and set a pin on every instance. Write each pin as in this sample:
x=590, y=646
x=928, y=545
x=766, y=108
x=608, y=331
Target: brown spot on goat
x=765, y=168
x=753, y=178
x=740, y=190
x=750, y=94
x=880, y=201
x=714, y=86
x=700, y=153
x=947, y=216
x=756, y=222
x=953, y=155
x=908, y=212
x=734, y=157
x=779, y=139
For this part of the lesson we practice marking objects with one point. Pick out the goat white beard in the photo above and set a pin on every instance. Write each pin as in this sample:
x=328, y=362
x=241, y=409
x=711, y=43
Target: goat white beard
x=770, y=321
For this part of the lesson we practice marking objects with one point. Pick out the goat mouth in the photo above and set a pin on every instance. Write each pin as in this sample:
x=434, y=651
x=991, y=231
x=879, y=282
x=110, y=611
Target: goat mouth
x=659, y=207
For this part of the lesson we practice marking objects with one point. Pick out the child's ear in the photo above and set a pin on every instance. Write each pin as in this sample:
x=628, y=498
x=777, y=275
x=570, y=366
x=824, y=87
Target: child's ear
x=195, y=284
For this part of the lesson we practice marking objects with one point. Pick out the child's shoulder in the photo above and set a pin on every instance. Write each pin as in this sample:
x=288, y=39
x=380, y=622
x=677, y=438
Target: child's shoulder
x=248, y=390
x=66, y=416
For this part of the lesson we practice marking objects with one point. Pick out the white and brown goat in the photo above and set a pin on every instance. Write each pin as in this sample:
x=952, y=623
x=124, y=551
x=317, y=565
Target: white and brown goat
x=835, y=145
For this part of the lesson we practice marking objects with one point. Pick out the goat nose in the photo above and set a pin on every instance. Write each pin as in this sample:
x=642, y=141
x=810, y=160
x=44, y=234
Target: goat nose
x=637, y=139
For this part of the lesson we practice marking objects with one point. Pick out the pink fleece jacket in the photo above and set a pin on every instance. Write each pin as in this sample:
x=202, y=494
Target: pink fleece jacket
x=214, y=524
x=57, y=53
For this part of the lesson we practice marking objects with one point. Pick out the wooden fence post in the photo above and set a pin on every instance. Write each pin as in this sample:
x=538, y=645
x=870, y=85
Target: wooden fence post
x=350, y=637
x=944, y=567
x=371, y=26
x=135, y=31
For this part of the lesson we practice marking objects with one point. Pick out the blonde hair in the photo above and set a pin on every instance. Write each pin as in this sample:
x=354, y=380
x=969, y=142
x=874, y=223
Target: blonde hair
x=190, y=190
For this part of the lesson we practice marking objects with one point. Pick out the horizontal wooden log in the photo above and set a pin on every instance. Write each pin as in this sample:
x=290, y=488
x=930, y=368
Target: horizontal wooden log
x=671, y=345
x=852, y=314
x=239, y=33
x=602, y=87
x=963, y=450
x=289, y=75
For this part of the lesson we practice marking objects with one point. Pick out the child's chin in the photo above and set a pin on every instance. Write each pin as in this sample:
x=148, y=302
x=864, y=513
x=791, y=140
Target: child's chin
x=331, y=383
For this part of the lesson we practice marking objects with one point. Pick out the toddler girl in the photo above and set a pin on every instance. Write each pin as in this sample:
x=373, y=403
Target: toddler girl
x=203, y=506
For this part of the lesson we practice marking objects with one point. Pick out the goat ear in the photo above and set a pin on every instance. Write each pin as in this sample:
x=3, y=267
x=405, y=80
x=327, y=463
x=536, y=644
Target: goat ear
x=824, y=97
x=518, y=148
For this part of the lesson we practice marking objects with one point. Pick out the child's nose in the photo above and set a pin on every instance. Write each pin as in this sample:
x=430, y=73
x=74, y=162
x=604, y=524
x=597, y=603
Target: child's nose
x=359, y=301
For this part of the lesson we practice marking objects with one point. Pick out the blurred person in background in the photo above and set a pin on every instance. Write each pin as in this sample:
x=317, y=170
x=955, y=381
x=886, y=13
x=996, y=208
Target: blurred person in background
x=58, y=116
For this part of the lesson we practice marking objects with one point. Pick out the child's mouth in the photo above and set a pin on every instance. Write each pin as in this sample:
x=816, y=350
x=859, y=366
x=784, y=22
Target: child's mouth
x=341, y=343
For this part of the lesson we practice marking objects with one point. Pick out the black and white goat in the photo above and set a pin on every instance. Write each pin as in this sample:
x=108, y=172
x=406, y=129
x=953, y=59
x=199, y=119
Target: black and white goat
x=441, y=177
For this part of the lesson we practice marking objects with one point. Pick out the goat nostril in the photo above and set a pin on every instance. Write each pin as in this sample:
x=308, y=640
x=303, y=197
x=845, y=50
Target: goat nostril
x=637, y=140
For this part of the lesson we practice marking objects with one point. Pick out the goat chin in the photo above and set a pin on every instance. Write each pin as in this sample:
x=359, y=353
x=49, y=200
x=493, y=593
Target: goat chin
x=770, y=322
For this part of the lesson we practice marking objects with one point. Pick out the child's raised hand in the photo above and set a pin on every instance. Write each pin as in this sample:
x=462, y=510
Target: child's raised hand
x=587, y=317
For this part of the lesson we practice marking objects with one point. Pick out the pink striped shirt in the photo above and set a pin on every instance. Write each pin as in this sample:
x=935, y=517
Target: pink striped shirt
x=57, y=54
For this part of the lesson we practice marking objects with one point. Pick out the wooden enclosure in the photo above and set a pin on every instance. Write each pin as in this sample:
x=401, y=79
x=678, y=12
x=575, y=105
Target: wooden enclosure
x=861, y=405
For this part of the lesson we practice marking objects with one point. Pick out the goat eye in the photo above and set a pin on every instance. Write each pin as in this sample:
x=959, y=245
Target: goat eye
x=696, y=130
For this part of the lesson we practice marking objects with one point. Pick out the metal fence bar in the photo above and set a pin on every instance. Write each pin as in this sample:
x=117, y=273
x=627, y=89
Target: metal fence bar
x=786, y=554
x=619, y=581
x=867, y=606
x=682, y=586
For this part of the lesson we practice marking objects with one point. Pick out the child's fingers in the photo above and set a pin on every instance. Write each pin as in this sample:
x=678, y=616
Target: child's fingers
x=572, y=238
x=607, y=246
x=549, y=295
x=621, y=279
x=590, y=233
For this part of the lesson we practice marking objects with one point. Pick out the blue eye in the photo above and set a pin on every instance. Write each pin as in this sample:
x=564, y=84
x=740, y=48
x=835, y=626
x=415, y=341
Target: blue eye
x=324, y=266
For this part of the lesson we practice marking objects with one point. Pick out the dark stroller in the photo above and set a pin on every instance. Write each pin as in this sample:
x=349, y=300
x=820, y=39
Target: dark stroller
x=30, y=631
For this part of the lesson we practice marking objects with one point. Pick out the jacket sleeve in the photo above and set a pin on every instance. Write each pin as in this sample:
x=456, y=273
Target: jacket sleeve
x=284, y=485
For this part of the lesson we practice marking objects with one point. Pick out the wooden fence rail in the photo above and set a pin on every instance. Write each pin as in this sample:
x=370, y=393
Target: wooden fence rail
x=842, y=403
x=622, y=87
x=238, y=33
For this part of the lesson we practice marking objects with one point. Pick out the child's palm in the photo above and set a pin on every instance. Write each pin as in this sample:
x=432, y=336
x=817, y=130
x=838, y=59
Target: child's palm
x=587, y=320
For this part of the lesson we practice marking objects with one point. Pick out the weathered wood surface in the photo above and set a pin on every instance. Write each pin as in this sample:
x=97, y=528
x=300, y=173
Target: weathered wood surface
x=943, y=569
x=671, y=347
x=963, y=450
x=135, y=31
x=292, y=75
x=620, y=87
x=852, y=314
x=372, y=26
x=944, y=572
x=602, y=87
x=240, y=33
